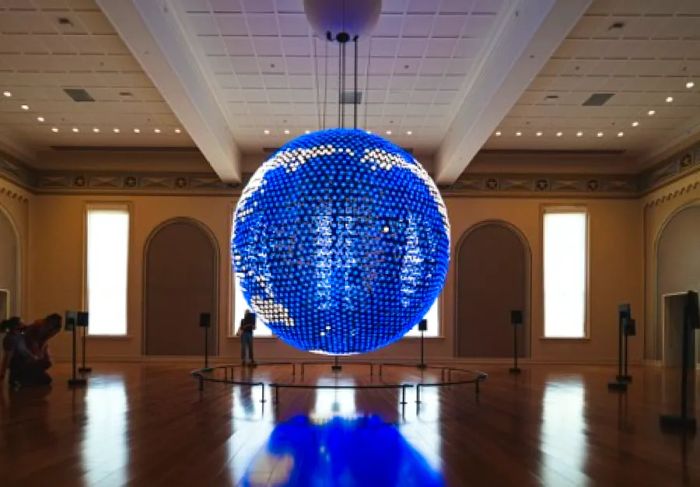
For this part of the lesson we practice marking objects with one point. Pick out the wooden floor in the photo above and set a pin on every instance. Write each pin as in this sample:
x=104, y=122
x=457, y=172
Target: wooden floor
x=148, y=425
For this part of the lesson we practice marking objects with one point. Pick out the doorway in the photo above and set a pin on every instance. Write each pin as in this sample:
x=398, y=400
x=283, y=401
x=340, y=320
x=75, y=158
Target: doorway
x=181, y=281
x=493, y=278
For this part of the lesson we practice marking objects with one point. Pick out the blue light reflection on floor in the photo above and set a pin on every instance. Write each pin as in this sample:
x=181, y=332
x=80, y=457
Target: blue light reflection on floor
x=363, y=451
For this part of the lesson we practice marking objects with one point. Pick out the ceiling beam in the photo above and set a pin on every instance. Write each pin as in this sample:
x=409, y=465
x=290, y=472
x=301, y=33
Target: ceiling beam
x=527, y=34
x=155, y=37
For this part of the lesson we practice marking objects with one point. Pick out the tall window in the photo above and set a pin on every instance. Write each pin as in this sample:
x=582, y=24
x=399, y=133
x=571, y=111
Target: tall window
x=107, y=262
x=433, y=318
x=565, y=273
x=239, y=307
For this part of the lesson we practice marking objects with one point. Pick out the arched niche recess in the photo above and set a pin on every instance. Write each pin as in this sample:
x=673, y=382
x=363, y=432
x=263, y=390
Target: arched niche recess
x=493, y=278
x=677, y=264
x=9, y=266
x=181, y=262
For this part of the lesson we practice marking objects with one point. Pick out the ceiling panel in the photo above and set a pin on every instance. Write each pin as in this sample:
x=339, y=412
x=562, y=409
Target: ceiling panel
x=640, y=51
x=46, y=46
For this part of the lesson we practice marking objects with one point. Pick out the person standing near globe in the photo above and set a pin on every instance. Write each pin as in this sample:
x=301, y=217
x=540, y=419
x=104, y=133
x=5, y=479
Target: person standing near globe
x=246, y=332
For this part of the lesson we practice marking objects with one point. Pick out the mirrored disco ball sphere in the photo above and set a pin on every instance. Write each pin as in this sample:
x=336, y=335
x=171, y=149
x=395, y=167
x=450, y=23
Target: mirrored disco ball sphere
x=341, y=242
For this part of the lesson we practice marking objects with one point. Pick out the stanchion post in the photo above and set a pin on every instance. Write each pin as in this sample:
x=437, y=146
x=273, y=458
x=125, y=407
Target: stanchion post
x=691, y=320
x=336, y=367
x=205, y=324
x=516, y=320
x=422, y=327
x=624, y=316
x=71, y=325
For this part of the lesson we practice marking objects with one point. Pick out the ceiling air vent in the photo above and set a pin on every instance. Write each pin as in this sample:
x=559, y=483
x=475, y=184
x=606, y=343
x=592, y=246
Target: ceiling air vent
x=598, y=99
x=78, y=94
x=350, y=96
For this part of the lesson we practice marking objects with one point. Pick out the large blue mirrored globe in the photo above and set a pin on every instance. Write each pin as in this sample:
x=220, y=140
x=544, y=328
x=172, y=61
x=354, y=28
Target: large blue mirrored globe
x=340, y=242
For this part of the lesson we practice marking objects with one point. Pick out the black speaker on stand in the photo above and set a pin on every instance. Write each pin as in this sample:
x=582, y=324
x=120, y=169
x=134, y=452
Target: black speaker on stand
x=205, y=324
x=71, y=320
x=516, y=321
x=626, y=328
x=422, y=327
x=684, y=422
x=82, y=323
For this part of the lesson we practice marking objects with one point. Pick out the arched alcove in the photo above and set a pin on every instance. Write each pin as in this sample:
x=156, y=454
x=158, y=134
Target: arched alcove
x=677, y=264
x=181, y=281
x=493, y=278
x=9, y=267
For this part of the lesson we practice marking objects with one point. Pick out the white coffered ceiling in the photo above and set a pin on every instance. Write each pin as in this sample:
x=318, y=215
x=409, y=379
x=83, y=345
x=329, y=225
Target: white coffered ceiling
x=274, y=74
x=443, y=76
x=40, y=56
x=650, y=57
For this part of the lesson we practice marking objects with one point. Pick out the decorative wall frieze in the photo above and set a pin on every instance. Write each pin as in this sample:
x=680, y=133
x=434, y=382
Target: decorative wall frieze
x=469, y=184
x=554, y=184
x=675, y=167
x=145, y=183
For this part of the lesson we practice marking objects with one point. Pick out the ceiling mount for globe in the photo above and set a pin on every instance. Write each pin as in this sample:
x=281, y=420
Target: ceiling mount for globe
x=343, y=21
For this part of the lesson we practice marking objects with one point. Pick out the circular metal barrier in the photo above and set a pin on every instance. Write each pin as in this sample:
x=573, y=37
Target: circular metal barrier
x=474, y=377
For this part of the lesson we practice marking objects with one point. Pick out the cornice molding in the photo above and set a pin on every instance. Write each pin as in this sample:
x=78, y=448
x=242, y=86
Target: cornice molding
x=679, y=165
x=660, y=176
x=17, y=173
x=506, y=185
x=146, y=183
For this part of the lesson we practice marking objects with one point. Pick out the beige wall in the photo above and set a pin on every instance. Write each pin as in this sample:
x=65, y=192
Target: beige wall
x=15, y=203
x=615, y=269
x=658, y=208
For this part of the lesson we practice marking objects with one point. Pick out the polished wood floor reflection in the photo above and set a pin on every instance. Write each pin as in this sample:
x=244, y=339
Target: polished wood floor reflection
x=147, y=424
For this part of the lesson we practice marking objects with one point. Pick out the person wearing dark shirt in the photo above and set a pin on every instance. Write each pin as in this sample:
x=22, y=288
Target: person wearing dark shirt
x=26, y=352
x=246, y=332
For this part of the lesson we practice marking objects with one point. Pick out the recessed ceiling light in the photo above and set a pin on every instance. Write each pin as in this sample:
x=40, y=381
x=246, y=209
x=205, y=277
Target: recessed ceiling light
x=116, y=130
x=498, y=133
x=388, y=132
x=669, y=99
x=137, y=131
x=690, y=84
x=579, y=134
x=157, y=131
x=599, y=134
x=54, y=129
x=7, y=94
x=96, y=130
x=651, y=112
x=177, y=131
x=559, y=134
x=286, y=131
x=620, y=134
x=539, y=134
x=266, y=132
x=518, y=134
x=40, y=119
x=75, y=130
x=24, y=107
x=635, y=124
x=408, y=132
